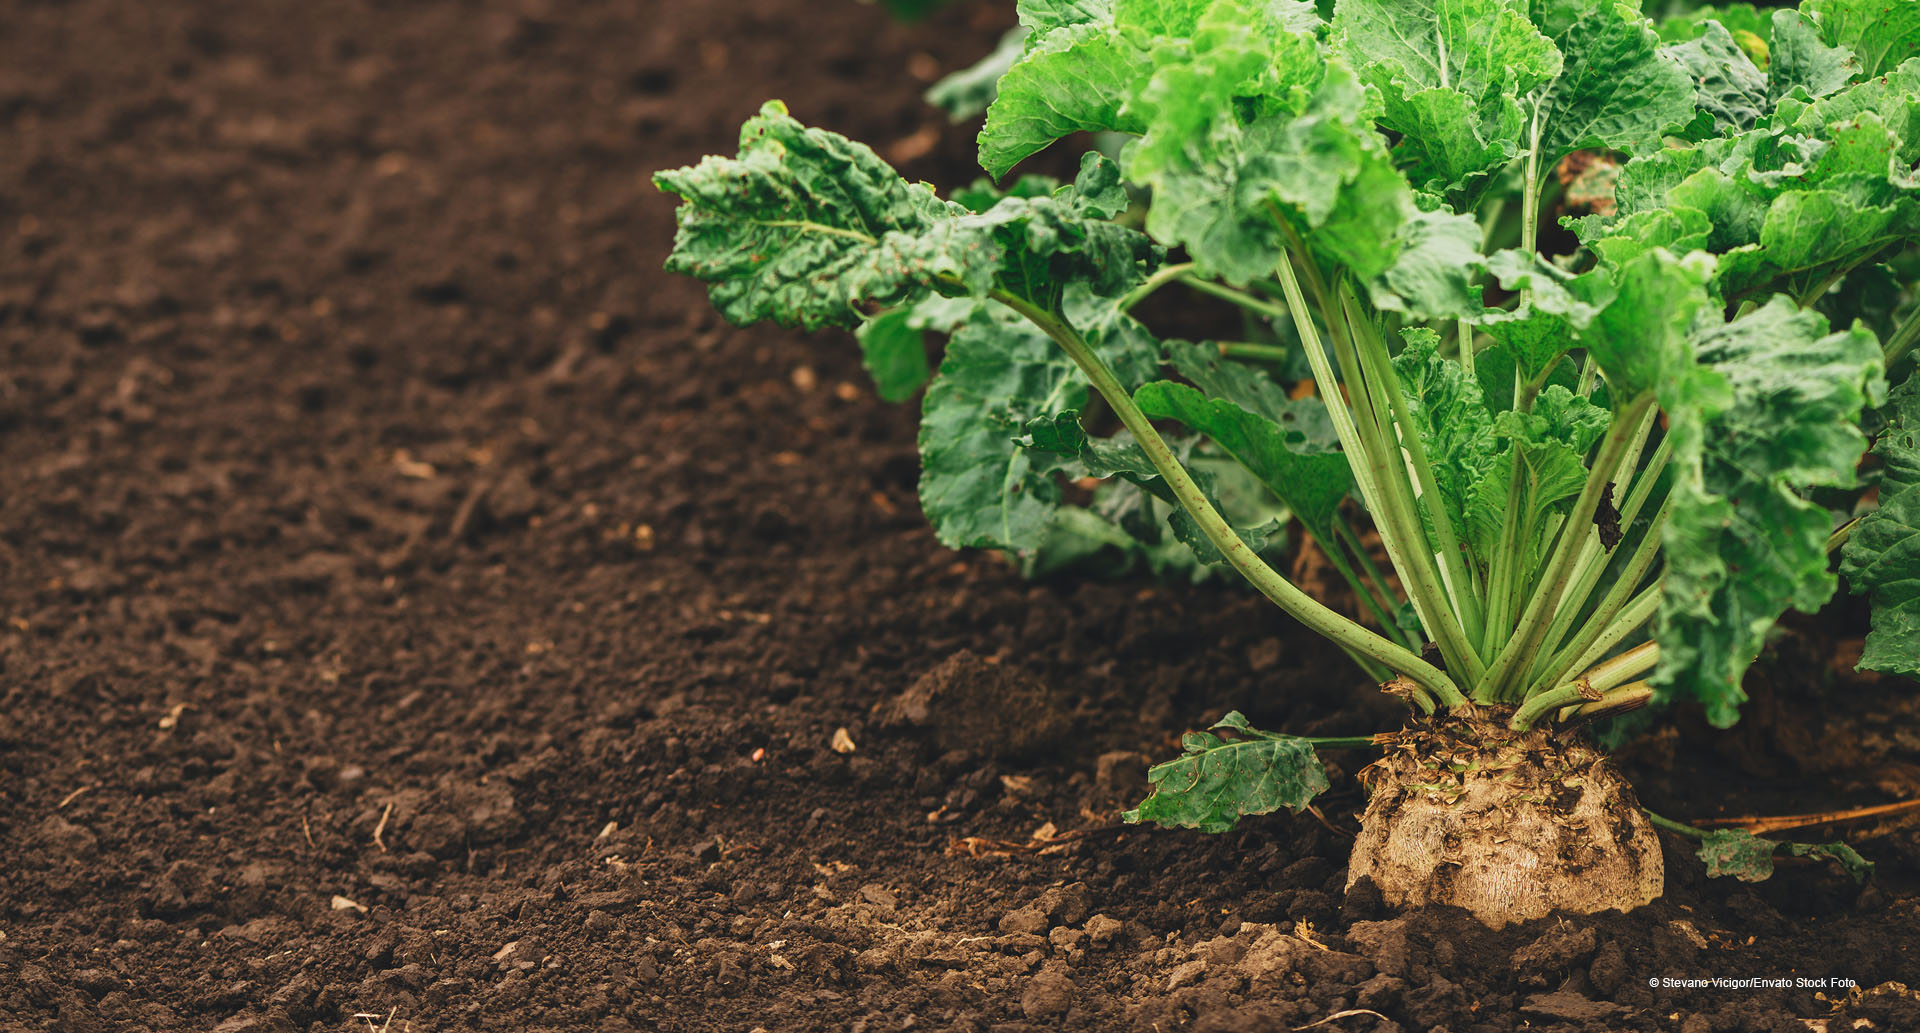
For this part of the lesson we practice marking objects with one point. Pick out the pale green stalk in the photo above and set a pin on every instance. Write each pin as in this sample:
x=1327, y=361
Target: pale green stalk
x=1514, y=661
x=1161, y=277
x=1634, y=615
x=1595, y=558
x=1380, y=452
x=1345, y=427
x=1453, y=569
x=1282, y=592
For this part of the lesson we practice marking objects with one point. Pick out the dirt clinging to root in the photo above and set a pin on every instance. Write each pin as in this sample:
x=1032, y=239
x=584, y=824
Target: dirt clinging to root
x=1510, y=826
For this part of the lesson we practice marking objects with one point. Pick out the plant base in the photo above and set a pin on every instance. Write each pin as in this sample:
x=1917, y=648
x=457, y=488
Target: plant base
x=1508, y=825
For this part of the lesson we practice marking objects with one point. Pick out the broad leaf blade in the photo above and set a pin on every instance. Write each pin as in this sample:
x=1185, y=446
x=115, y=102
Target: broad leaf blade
x=1222, y=779
x=1801, y=60
x=1615, y=89
x=1726, y=83
x=1451, y=74
x=1883, y=34
x=1741, y=855
x=1883, y=554
x=1311, y=484
x=786, y=231
x=977, y=486
x=1742, y=544
x=1070, y=80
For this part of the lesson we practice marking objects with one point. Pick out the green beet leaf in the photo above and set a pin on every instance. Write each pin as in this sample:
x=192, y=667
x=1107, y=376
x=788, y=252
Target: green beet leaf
x=893, y=344
x=1311, y=484
x=1741, y=855
x=1749, y=858
x=1616, y=90
x=1075, y=78
x=977, y=486
x=1743, y=544
x=805, y=227
x=1883, y=554
x=1883, y=34
x=1451, y=74
x=1801, y=60
x=1223, y=778
x=1728, y=87
x=1451, y=415
x=1304, y=421
x=1041, y=16
x=786, y=231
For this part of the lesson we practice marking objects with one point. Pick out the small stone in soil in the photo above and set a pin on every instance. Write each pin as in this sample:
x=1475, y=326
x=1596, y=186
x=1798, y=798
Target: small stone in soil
x=1102, y=929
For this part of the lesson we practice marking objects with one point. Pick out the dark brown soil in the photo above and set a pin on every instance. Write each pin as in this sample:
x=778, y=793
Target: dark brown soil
x=416, y=605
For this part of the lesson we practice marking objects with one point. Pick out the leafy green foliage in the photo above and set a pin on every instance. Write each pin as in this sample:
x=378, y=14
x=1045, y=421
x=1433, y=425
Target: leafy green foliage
x=805, y=226
x=1749, y=858
x=1883, y=554
x=1452, y=74
x=1356, y=174
x=1223, y=778
x=1311, y=484
x=1615, y=89
x=1808, y=193
x=1744, y=543
x=1883, y=34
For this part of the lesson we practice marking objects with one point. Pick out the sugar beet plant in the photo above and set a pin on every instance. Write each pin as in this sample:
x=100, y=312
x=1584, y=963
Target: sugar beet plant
x=1555, y=486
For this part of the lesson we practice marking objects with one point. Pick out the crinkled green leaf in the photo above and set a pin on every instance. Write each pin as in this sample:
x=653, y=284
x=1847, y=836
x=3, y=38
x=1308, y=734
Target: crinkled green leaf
x=1883, y=34
x=1042, y=16
x=1641, y=337
x=1432, y=274
x=1451, y=74
x=1119, y=456
x=893, y=344
x=1186, y=530
x=1170, y=19
x=1883, y=554
x=1846, y=856
x=968, y=92
x=1727, y=86
x=1311, y=484
x=806, y=226
x=1223, y=778
x=1073, y=79
x=1554, y=438
x=1216, y=164
x=787, y=231
x=1894, y=97
x=1810, y=193
x=977, y=486
x=1742, y=855
x=1615, y=89
x=1451, y=417
x=1031, y=246
x=1749, y=858
x=1801, y=59
x=1305, y=421
x=1535, y=341
x=1742, y=543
